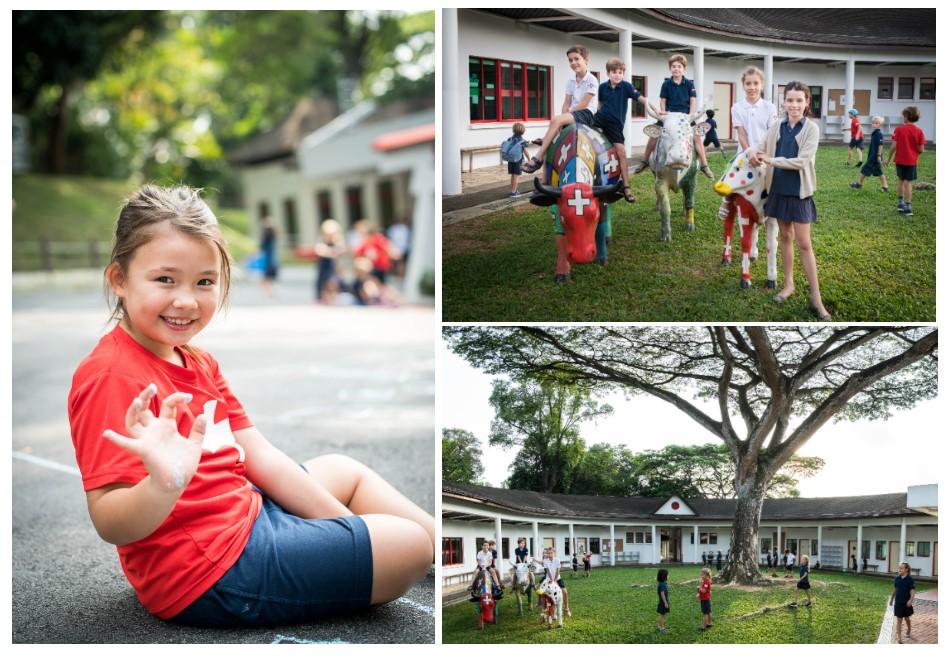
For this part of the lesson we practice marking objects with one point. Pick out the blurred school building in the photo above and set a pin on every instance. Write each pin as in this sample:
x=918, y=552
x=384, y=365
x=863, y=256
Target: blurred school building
x=506, y=65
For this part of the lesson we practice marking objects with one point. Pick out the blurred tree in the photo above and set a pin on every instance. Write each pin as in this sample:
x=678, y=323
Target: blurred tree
x=461, y=456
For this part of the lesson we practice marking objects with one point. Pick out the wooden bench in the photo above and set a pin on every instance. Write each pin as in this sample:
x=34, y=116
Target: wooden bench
x=871, y=567
x=472, y=151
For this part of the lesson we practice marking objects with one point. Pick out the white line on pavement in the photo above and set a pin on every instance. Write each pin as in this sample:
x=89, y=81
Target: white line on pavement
x=279, y=638
x=417, y=605
x=49, y=464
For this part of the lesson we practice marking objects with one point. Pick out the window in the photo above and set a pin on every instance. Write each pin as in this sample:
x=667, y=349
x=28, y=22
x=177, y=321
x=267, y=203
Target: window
x=508, y=91
x=595, y=545
x=548, y=542
x=816, y=101
x=906, y=89
x=505, y=547
x=291, y=223
x=881, y=550
x=814, y=548
x=355, y=209
x=649, y=538
x=263, y=210
x=567, y=546
x=910, y=549
x=452, y=551
x=385, y=194
x=636, y=107
x=765, y=545
x=923, y=550
x=791, y=543
x=926, y=89
x=884, y=88
x=865, y=550
x=323, y=204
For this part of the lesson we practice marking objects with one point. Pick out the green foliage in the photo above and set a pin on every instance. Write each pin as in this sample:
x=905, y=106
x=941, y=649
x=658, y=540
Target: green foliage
x=461, y=456
x=618, y=605
x=874, y=264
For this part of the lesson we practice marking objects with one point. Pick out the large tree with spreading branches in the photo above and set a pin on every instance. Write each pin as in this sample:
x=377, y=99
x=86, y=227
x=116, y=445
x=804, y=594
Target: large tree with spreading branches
x=774, y=387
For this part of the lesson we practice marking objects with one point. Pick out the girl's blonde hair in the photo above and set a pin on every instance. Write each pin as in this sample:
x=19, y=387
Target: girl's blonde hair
x=149, y=208
x=880, y=120
x=706, y=572
x=753, y=71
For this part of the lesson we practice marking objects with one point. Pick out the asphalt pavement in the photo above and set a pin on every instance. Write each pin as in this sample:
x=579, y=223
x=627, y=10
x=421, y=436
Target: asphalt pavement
x=314, y=379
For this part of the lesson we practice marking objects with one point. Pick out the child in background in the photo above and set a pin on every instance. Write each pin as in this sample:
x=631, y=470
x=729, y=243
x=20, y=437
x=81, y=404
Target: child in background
x=662, y=605
x=908, y=141
x=705, y=598
x=711, y=137
x=580, y=104
x=328, y=250
x=856, y=137
x=775, y=558
x=789, y=560
x=574, y=562
x=790, y=148
x=874, y=159
x=803, y=580
x=753, y=116
x=514, y=152
x=902, y=597
x=677, y=94
x=718, y=560
x=214, y=525
x=587, y=563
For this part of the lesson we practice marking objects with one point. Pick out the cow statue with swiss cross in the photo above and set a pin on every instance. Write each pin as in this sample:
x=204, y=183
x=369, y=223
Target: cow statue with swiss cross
x=741, y=188
x=581, y=180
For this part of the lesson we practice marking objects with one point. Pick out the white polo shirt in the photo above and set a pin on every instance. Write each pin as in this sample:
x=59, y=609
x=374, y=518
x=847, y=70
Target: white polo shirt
x=484, y=558
x=755, y=119
x=578, y=90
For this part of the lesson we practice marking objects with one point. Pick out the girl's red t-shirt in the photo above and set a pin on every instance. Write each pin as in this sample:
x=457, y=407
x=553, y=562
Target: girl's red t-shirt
x=209, y=526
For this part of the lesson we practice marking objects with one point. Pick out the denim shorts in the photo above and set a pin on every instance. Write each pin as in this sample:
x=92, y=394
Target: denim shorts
x=291, y=570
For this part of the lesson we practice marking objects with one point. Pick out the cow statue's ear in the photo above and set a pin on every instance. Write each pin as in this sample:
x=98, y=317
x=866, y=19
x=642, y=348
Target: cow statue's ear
x=652, y=130
x=703, y=128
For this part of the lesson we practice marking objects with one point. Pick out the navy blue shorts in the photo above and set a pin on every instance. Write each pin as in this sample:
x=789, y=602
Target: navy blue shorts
x=515, y=167
x=291, y=570
x=906, y=172
x=584, y=116
x=857, y=143
x=611, y=130
x=706, y=606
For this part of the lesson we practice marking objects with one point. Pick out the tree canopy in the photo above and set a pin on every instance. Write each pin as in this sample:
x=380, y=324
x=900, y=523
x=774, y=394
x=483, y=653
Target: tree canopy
x=462, y=457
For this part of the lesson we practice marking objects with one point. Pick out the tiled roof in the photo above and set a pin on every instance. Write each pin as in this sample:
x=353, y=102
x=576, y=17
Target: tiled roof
x=309, y=114
x=571, y=505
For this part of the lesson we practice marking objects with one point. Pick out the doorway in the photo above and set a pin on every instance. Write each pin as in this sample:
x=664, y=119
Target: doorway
x=935, y=559
x=851, y=553
x=671, y=545
x=803, y=549
x=723, y=95
x=893, y=555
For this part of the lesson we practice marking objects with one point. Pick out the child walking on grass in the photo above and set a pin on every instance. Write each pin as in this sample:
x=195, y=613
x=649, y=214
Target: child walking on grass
x=213, y=524
x=803, y=580
x=705, y=598
x=662, y=605
x=908, y=142
x=874, y=158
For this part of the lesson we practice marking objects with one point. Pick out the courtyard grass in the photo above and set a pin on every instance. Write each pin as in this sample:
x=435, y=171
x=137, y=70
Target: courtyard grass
x=618, y=605
x=874, y=264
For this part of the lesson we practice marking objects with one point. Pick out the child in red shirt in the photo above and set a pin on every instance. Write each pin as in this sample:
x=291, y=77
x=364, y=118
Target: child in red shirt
x=856, y=137
x=213, y=524
x=908, y=141
x=705, y=598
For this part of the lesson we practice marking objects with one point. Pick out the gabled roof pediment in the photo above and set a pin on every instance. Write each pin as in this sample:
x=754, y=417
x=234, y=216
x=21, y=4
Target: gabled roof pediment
x=676, y=506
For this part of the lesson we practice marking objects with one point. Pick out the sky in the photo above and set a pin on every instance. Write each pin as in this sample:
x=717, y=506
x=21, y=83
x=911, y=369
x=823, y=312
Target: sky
x=862, y=457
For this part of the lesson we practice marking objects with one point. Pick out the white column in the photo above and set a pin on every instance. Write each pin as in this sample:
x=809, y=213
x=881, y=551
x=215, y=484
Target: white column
x=770, y=87
x=625, y=52
x=536, y=541
x=656, y=545
x=423, y=229
x=779, y=539
x=859, y=547
x=695, y=545
x=698, y=76
x=452, y=114
x=498, y=543
x=613, y=547
x=851, y=70
x=902, y=542
x=820, y=539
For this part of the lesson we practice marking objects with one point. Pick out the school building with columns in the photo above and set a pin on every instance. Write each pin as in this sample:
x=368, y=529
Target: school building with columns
x=506, y=65
x=880, y=530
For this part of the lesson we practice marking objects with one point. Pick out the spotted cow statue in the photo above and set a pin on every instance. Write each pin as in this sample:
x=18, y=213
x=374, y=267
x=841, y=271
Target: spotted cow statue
x=582, y=177
x=741, y=187
x=673, y=165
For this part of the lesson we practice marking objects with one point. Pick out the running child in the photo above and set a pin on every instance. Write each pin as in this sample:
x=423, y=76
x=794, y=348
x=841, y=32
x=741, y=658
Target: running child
x=704, y=594
x=662, y=594
x=711, y=137
x=790, y=147
x=214, y=525
x=856, y=137
x=803, y=580
x=874, y=158
x=902, y=598
x=908, y=141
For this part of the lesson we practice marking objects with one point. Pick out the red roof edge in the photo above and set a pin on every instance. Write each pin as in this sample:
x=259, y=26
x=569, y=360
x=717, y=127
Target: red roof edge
x=404, y=138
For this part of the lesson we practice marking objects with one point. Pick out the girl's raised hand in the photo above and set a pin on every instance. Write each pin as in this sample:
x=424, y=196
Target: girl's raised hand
x=170, y=458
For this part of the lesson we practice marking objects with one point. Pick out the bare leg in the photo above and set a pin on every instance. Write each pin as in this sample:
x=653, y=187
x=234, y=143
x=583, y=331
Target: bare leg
x=514, y=182
x=401, y=555
x=786, y=240
x=557, y=123
x=809, y=261
x=907, y=191
x=883, y=181
x=650, y=144
x=363, y=491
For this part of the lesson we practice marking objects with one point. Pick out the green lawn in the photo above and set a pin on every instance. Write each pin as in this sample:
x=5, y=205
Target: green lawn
x=619, y=606
x=874, y=264
x=73, y=210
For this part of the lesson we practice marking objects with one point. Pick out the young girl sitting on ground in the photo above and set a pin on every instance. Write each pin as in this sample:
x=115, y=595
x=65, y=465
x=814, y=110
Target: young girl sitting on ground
x=214, y=525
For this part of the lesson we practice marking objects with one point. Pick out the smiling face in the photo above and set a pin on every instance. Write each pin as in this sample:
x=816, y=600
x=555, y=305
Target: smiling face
x=615, y=76
x=676, y=69
x=170, y=290
x=795, y=102
x=752, y=85
x=577, y=63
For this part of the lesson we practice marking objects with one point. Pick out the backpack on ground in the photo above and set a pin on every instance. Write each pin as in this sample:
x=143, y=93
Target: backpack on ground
x=512, y=149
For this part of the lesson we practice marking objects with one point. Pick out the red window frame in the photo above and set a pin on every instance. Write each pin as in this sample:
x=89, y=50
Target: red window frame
x=637, y=111
x=504, y=91
x=451, y=554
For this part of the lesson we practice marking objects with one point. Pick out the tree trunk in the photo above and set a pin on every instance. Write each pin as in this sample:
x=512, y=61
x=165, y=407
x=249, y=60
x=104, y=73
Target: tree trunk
x=58, y=129
x=742, y=567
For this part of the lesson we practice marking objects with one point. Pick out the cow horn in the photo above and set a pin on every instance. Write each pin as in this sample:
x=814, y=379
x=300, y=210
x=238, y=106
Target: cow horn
x=608, y=193
x=547, y=190
x=695, y=115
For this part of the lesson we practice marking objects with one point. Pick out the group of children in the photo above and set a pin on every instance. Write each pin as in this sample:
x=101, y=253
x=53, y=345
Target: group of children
x=789, y=146
x=487, y=559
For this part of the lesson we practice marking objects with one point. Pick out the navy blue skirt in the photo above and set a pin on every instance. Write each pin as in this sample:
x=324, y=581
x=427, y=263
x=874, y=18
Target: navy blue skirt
x=790, y=208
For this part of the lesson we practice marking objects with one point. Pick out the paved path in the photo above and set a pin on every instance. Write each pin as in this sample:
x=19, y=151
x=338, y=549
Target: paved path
x=924, y=621
x=313, y=379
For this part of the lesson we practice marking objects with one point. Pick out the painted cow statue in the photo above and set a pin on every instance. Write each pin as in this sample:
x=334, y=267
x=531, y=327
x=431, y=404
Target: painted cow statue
x=582, y=177
x=741, y=187
x=550, y=597
x=673, y=165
